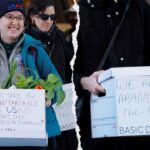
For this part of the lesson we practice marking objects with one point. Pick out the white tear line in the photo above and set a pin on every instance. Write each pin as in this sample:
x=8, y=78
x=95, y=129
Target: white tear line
x=75, y=45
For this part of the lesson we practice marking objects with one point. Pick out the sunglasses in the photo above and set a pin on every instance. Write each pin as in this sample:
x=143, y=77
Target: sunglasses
x=46, y=17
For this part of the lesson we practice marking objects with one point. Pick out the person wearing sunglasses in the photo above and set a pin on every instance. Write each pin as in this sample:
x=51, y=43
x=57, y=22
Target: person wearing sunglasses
x=40, y=23
x=46, y=17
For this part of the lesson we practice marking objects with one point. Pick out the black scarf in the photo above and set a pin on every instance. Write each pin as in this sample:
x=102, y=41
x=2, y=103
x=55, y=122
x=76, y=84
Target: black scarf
x=47, y=38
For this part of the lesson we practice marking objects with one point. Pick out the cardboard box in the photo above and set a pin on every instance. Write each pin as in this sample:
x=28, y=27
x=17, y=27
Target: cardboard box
x=22, y=117
x=125, y=109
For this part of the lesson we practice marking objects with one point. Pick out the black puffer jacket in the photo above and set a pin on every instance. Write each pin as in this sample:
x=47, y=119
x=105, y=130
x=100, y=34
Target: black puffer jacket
x=98, y=19
x=57, y=49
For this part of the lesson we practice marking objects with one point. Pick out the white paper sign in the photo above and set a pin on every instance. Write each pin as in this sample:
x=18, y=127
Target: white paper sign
x=22, y=117
x=65, y=113
x=133, y=105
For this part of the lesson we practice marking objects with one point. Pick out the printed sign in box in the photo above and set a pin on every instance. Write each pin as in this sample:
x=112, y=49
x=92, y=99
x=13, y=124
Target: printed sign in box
x=22, y=117
x=125, y=109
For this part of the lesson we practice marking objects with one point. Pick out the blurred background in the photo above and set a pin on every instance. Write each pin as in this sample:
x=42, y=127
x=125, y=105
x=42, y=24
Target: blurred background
x=66, y=14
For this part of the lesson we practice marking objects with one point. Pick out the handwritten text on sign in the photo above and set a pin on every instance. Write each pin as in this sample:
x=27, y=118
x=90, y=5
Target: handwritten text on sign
x=133, y=105
x=65, y=112
x=19, y=110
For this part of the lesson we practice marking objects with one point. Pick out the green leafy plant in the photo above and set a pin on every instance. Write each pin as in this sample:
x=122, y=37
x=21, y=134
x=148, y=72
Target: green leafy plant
x=52, y=85
x=8, y=80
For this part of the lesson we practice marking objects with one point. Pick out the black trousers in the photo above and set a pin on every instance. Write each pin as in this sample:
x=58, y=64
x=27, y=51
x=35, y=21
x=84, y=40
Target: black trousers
x=67, y=140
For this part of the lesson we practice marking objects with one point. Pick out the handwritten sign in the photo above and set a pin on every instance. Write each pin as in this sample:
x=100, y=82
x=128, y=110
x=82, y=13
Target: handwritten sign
x=65, y=112
x=133, y=105
x=22, y=115
x=124, y=110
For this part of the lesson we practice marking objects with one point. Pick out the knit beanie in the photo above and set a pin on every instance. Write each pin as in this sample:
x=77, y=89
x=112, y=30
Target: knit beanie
x=11, y=5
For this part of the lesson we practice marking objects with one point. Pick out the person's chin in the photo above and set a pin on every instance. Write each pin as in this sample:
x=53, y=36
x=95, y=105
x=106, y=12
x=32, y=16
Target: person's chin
x=14, y=36
x=46, y=29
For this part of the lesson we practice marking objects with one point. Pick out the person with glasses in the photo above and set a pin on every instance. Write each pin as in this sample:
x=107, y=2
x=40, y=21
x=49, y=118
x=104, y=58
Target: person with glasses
x=99, y=20
x=40, y=23
x=10, y=17
x=26, y=52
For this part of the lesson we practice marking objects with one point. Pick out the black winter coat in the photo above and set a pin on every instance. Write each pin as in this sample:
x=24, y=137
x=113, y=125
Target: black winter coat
x=98, y=19
x=57, y=49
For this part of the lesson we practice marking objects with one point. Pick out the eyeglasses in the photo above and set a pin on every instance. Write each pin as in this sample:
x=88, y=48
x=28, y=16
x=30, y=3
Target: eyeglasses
x=11, y=18
x=46, y=17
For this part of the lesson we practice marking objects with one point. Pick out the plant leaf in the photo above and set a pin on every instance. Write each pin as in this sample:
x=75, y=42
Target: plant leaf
x=42, y=82
x=49, y=87
x=28, y=80
x=60, y=96
x=52, y=78
x=20, y=80
x=8, y=80
x=58, y=85
x=50, y=95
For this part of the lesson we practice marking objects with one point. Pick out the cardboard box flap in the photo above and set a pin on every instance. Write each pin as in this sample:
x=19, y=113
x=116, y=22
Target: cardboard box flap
x=123, y=72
